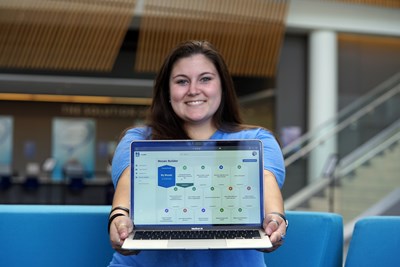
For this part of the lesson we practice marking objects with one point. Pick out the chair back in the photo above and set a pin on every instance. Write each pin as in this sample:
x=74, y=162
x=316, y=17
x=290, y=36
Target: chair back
x=53, y=235
x=375, y=242
x=313, y=239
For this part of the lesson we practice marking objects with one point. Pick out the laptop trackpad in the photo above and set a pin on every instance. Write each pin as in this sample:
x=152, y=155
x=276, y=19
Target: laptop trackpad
x=197, y=244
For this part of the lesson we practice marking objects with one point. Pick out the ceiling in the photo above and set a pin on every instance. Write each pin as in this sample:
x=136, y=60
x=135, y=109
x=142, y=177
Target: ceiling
x=114, y=47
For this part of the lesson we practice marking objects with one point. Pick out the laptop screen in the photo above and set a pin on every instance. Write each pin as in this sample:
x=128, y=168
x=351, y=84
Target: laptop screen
x=212, y=182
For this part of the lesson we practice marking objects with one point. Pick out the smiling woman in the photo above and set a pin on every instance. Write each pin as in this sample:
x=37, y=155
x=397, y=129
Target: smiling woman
x=195, y=90
x=194, y=98
x=201, y=74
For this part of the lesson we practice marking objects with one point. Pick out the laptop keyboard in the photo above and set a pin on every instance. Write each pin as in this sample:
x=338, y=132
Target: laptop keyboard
x=194, y=234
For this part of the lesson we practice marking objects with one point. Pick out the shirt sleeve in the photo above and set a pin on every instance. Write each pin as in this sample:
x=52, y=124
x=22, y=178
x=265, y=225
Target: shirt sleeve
x=273, y=157
x=121, y=158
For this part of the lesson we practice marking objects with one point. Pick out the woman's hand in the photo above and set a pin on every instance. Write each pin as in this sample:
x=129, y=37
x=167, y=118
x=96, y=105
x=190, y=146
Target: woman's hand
x=274, y=222
x=120, y=228
x=275, y=227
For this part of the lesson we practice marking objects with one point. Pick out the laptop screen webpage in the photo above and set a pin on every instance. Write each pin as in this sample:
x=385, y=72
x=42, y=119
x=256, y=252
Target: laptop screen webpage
x=203, y=183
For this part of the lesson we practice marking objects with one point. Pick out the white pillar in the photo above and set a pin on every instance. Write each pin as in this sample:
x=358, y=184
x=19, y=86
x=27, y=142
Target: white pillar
x=323, y=94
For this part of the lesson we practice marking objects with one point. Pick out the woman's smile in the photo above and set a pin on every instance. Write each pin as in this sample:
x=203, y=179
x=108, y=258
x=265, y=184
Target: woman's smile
x=195, y=102
x=195, y=90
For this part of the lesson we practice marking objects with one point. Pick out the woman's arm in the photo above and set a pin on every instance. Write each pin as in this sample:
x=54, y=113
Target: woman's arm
x=274, y=225
x=121, y=226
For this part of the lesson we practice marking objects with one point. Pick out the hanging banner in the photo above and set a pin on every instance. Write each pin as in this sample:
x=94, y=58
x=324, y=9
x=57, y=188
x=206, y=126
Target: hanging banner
x=73, y=145
x=6, y=144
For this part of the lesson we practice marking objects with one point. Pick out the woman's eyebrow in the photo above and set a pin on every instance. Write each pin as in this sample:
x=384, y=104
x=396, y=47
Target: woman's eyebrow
x=179, y=75
x=201, y=74
x=207, y=72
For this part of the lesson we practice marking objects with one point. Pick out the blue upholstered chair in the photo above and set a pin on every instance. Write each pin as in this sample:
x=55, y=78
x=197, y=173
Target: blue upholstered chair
x=375, y=242
x=62, y=236
x=314, y=239
x=40, y=235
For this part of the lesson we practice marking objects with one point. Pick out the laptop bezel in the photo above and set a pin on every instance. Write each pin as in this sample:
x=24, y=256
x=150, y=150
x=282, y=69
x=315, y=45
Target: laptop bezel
x=190, y=145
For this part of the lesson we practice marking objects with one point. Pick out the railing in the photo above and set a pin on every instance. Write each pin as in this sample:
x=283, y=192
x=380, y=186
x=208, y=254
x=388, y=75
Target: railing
x=348, y=164
x=374, y=147
x=350, y=114
x=354, y=127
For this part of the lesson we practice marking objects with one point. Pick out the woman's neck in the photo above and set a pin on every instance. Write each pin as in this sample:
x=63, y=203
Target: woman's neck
x=200, y=132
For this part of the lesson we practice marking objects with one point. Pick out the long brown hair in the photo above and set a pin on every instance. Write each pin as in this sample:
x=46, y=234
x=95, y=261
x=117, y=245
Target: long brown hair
x=164, y=123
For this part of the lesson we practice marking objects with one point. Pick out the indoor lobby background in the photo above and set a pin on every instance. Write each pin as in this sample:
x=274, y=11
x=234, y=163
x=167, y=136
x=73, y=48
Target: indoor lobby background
x=75, y=74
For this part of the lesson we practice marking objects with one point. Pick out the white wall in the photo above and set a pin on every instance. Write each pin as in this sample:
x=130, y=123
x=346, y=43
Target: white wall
x=305, y=15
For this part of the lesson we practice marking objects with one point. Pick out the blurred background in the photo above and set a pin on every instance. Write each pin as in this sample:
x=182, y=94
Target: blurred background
x=323, y=75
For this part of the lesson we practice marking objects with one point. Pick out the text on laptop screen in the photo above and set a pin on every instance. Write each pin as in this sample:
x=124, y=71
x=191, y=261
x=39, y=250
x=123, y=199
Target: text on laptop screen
x=197, y=183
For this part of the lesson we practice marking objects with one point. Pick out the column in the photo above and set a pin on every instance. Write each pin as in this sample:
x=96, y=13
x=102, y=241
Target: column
x=323, y=95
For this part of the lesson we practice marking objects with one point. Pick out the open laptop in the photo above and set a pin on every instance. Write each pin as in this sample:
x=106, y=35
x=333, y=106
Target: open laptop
x=188, y=194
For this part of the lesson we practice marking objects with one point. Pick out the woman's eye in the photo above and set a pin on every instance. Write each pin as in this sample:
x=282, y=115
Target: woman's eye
x=205, y=79
x=182, y=82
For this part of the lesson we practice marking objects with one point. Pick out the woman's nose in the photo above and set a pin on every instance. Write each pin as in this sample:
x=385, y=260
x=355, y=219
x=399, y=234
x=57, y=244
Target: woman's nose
x=193, y=89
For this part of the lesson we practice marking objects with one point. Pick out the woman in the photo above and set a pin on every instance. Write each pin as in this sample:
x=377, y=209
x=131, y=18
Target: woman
x=194, y=98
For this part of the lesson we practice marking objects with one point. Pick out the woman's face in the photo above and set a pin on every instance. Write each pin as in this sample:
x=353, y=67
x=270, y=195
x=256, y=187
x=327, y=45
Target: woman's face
x=195, y=89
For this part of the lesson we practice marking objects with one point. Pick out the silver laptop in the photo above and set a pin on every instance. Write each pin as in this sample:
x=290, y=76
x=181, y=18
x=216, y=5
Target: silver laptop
x=188, y=194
